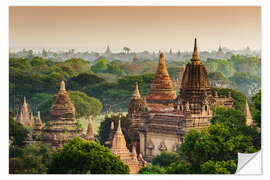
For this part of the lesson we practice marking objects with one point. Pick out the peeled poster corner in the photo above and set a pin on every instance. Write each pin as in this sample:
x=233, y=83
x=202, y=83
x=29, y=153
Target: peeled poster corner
x=249, y=164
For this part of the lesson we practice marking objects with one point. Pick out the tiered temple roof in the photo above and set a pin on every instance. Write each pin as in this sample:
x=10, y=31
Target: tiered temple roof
x=119, y=148
x=25, y=117
x=161, y=90
x=62, y=125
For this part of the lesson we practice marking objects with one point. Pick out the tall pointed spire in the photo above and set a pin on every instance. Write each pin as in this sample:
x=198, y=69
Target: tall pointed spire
x=195, y=56
x=161, y=90
x=38, y=124
x=136, y=94
x=90, y=133
x=62, y=87
x=249, y=121
x=24, y=101
x=119, y=142
x=112, y=126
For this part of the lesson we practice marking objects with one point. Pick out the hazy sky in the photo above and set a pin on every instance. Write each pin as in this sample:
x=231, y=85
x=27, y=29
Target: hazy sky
x=139, y=28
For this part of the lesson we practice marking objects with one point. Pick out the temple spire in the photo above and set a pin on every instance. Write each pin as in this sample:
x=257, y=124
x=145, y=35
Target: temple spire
x=112, y=126
x=195, y=55
x=136, y=94
x=119, y=130
x=161, y=58
x=249, y=121
x=90, y=132
x=62, y=86
x=24, y=101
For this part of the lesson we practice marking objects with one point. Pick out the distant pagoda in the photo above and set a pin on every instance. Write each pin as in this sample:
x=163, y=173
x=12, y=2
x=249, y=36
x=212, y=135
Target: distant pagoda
x=161, y=90
x=135, y=59
x=90, y=132
x=25, y=118
x=220, y=52
x=108, y=51
x=62, y=125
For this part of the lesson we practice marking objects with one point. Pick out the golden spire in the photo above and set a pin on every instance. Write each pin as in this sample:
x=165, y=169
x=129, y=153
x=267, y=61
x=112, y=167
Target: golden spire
x=136, y=94
x=119, y=130
x=161, y=58
x=112, y=126
x=24, y=101
x=90, y=132
x=62, y=86
x=249, y=120
x=195, y=55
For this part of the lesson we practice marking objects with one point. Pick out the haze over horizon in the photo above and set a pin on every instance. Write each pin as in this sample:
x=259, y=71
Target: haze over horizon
x=139, y=28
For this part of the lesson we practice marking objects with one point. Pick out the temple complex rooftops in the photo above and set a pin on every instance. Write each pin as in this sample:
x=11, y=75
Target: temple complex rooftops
x=195, y=76
x=161, y=90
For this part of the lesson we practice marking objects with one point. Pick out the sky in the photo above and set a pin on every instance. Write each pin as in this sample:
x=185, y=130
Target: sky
x=139, y=28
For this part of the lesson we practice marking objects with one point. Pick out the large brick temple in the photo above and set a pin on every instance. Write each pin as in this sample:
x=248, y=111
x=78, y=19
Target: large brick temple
x=162, y=119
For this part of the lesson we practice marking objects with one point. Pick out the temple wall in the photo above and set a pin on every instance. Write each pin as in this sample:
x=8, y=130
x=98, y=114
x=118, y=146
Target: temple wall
x=169, y=140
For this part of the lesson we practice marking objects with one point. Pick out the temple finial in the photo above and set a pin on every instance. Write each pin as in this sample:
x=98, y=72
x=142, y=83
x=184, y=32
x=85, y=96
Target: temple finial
x=62, y=86
x=112, y=125
x=136, y=94
x=24, y=100
x=161, y=58
x=195, y=55
x=119, y=126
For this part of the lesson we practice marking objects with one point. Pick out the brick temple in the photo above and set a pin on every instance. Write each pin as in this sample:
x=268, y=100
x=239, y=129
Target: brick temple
x=62, y=125
x=162, y=119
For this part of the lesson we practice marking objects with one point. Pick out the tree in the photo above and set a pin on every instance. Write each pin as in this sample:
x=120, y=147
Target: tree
x=217, y=143
x=151, y=169
x=179, y=167
x=31, y=159
x=218, y=79
x=165, y=159
x=105, y=128
x=80, y=157
x=256, y=114
x=246, y=82
x=219, y=167
x=100, y=66
x=17, y=133
x=82, y=80
x=126, y=49
x=84, y=105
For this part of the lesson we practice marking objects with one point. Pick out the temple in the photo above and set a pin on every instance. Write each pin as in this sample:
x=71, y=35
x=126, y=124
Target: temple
x=162, y=119
x=25, y=117
x=220, y=52
x=62, y=125
x=119, y=148
x=108, y=50
x=135, y=59
x=90, y=132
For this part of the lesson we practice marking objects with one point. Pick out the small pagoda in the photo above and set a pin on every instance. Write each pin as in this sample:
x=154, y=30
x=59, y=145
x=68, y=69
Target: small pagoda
x=90, y=132
x=62, y=125
x=161, y=90
x=119, y=148
x=25, y=117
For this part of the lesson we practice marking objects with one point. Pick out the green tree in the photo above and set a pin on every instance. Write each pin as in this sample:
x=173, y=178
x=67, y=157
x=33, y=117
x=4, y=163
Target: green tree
x=81, y=157
x=17, y=133
x=100, y=66
x=219, y=167
x=165, y=159
x=151, y=169
x=218, y=79
x=246, y=82
x=82, y=80
x=256, y=114
x=178, y=167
